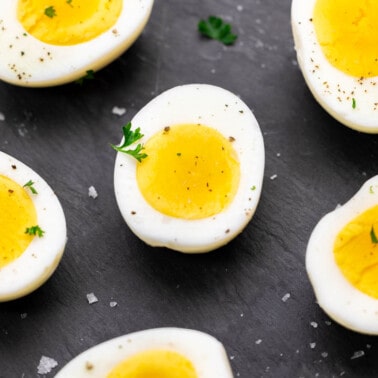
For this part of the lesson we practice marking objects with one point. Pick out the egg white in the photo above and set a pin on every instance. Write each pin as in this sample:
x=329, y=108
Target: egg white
x=42, y=256
x=333, y=89
x=191, y=104
x=339, y=299
x=21, y=64
x=205, y=352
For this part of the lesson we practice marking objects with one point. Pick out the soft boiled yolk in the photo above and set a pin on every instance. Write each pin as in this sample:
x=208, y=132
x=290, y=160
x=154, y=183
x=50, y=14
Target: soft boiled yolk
x=348, y=35
x=191, y=172
x=17, y=213
x=155, y=364
x=67, y=22
x=356, y=252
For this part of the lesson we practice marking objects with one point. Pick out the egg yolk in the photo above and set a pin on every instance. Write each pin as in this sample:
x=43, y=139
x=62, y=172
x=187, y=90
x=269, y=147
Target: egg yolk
x=155, y=364
x=356, y=252
x=348, y=35
x=17, y=213
x=67, y=22
x=191, y=172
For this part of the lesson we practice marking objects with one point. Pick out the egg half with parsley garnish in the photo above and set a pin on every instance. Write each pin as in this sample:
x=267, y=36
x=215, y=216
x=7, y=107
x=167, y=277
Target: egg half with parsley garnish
x=33, y=229
x=155, y=353
x=342, y=261
x=336, y=43
x=189, y=171
x=51, y=42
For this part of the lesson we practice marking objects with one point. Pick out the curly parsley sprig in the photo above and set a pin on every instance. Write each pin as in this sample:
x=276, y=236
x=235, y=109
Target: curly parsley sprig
x=50, y=12
x=131, y=137
x=35, y=231
x=215, y=28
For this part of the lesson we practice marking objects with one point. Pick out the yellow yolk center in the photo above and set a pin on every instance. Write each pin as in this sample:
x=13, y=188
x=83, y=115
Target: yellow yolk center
x=356, y=252
x=191, y=172
x=155, y=364
x=67, y=22
x=347, y=32
x=17, y=213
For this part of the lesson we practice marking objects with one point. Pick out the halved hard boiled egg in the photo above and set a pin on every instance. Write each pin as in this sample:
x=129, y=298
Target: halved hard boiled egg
x=336, y=49
x=342, y=261
x=51, y=42
x=33, y=229
x=157, y=353
x=200, y=174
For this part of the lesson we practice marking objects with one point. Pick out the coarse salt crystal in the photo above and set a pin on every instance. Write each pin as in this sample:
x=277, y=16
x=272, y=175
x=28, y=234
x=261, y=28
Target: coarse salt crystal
x=92, y=192
x=240, y=8
x=259, y=341
x=24, y=315
x=2, y=117
x=314, y=324
x=357, y=354
x=273, y=177
x=324, y=354
x=312, y=345
x=91, y=298
x=118, y=111
x=113, y=304
x=46, y=364
x=285, y=297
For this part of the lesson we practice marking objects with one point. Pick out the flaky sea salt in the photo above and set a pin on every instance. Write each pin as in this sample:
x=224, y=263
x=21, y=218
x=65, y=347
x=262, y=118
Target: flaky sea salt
x=92, y=192
x=113, y=304
x=91, y=298
x=118, y=111
x=285, y=297
x=46, y=364
x=357, y=354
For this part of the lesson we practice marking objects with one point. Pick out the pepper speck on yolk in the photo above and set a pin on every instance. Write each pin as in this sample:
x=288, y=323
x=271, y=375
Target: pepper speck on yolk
x=356, y=253
x=348, y=35
x=155, y=364
x=191, y=172
x=17, y=213
x=67, y=22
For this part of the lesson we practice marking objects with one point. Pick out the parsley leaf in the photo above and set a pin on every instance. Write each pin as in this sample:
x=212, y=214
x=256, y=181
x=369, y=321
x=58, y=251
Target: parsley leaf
x=34, y=230
x=29, y=185
x=354, y=103
x=89, y=75
x=131, y=137
x=373, y=236
x=215, y=28
x=50, y=12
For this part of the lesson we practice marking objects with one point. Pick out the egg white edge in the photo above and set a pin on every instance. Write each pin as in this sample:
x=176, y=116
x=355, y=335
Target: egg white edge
x=206, y=353
x=63, y=64
x=338, y=298
x=317, y=71
x=205, y=104
x=42, y=256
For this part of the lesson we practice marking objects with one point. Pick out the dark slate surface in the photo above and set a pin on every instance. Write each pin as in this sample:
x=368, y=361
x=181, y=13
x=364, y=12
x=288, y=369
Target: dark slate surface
x=234, y=293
